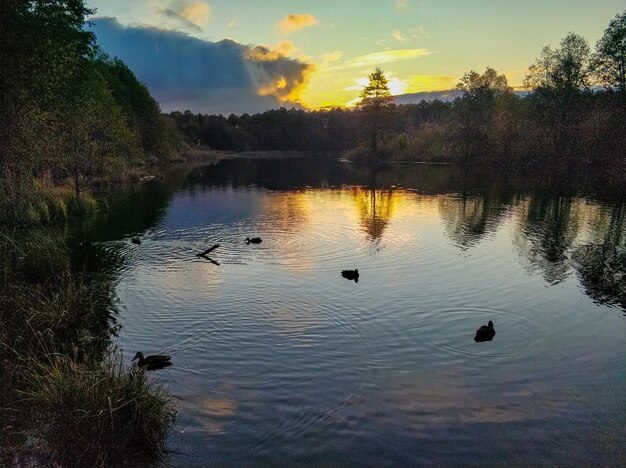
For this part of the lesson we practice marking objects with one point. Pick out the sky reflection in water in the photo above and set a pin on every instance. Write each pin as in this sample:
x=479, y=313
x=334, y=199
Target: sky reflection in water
x=277, y=359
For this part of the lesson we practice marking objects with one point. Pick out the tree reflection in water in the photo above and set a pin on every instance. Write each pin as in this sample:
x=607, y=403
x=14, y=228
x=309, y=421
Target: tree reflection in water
x=601, y=265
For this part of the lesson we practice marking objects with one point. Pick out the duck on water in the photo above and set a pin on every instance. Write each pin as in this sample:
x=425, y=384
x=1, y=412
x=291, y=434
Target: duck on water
x=485, y=333
x=351, y=274
x=254, y=240
x=152, y=362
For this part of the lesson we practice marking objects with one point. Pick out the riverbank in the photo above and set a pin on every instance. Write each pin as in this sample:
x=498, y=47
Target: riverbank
x=68, y=398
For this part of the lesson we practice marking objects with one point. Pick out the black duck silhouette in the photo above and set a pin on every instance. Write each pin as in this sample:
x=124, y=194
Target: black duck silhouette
x=351, y=274
x=254, y=240
x=485, y=333
x=153, y=362
x=136, y=240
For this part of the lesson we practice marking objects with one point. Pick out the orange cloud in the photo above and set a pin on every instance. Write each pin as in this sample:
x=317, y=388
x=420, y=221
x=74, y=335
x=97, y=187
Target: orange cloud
x=292, y=22
x=286, y=47
x=278, y=76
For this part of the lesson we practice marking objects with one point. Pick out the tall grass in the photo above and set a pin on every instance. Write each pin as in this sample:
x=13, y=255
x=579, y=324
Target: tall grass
x=26, y=201
x=100, y=415
x=67, y=399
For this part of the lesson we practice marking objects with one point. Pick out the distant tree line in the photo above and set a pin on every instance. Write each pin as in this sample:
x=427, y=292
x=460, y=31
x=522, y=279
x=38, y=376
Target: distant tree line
x=572, y=113
x=68, y=112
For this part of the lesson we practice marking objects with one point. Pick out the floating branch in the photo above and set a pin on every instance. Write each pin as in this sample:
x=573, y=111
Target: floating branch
x=209, y=250
x=214, y=262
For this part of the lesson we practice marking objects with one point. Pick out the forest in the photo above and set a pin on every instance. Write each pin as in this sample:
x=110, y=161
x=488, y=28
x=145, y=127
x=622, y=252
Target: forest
x=71, y=118
x=569, y=113
x=69, y=114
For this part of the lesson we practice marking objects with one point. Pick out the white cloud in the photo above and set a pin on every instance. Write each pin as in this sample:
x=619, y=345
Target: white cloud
x=332, y=56
x=397, y=35
x=383, y=57
x=419, y=32
x=197, y=13
x=402, y=4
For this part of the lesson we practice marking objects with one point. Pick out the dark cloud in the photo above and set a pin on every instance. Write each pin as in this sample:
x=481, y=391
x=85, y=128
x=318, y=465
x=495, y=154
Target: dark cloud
x=183, y=72
x=184, y=22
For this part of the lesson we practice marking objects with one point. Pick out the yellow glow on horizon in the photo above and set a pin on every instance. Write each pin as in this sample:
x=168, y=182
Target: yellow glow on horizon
x=422, y=83
x=316, y=95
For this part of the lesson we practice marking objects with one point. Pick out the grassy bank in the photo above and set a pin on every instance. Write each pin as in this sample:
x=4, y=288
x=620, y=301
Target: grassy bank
x=67, y=399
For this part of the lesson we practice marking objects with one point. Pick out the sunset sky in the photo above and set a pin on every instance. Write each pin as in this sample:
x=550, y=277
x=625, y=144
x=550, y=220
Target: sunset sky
x=222, y=56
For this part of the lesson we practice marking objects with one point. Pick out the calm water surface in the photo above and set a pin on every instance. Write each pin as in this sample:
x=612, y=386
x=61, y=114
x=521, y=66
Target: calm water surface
x=280, y=360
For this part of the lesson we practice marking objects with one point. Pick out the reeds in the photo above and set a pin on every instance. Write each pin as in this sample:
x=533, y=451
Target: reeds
x=67, y=398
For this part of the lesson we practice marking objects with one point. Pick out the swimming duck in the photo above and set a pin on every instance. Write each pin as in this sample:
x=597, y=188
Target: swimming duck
x=485, y=333
x=351, y=274
x=254, y=240
x=153, y=362
x=136, y=240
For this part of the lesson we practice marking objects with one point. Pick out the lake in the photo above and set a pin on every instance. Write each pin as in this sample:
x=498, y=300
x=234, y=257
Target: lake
x=278, y=360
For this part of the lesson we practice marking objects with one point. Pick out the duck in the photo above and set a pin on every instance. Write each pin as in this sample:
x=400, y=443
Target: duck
x=351, y=274
x=152, y=362
x=254, y=240
x=136, y=240
x=485, y=333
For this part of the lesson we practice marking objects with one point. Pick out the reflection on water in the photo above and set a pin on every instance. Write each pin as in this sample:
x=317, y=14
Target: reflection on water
x=280, y=361
x=548, y=229
x=601, y=264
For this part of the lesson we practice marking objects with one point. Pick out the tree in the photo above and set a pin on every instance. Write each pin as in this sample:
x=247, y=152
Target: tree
x=564, y=70
x=476, y=108
x=557, y=104
x=94, y=139
x=375, y=97
x=609, y=59
x=142, y=112
x=42, y=46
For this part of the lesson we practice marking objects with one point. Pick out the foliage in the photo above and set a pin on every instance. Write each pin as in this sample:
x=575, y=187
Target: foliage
x=376, y=93
x=63, y=386
x=106, y=414
x=476, y=111
x=426, y=143
x=609, y=60
x=141, y=111
x=93, y=136
x=564, y=70
x=375, y=99
x=66, y=110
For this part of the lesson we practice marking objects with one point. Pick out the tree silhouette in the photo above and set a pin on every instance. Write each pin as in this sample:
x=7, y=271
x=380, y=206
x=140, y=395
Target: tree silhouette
x=610, y=57
x=565, y=69
x=375, y=97
x=476, y=109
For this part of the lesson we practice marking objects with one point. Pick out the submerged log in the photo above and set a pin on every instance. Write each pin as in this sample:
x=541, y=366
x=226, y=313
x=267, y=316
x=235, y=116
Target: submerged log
x=214, y=262
x=207, y=251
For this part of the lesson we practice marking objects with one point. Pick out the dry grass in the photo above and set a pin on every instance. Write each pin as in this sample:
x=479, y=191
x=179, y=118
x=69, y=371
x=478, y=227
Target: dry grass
x=67, y=399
